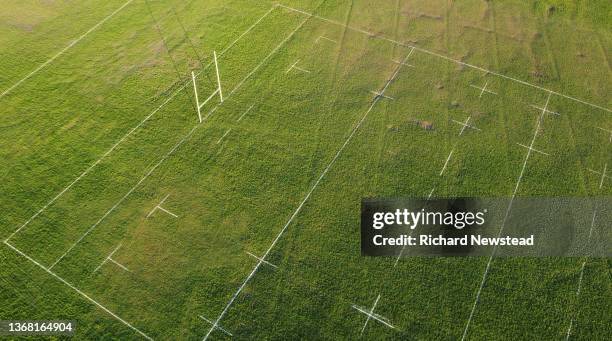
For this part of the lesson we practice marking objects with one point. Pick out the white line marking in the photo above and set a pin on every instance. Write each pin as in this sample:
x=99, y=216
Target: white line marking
x=99, y=266
x=218, y=327
x=246, y=112
x=79, y=292
x=74, y=42
x=261, y=260
x=483, y=89
x=446, y=163
x=606, y=130
x=218, y=76
x=108, y=257
x=592, y=224
x=296, y=67
x=533, y=149
x=209, y=98
x=371, y=34
x=402, y=63
x=465, y=125
x=224, y=135
x=299, y=208
x=249, y=29
x=486, y=272
x=545, y=110
x=569, y=329
x=291, y=67
x=430, y=193
x=300, y=69
x=603, y=174
x=166, y=211
x=378, y=94
x=325, y=38
x=92, y=166
x=156, y=206
x=119, y=265
x=377, y=317
x=370, y=314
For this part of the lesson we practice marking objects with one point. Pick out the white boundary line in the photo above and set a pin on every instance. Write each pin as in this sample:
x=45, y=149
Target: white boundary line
x=486, y=272
x=131, y=131
x=299, y=208
x=443, y=57
x=569, y=329
x=446, y=162
x=603, y=174
x=79, y=291
x=224, y=135
x=61, y=52
x=246, y=112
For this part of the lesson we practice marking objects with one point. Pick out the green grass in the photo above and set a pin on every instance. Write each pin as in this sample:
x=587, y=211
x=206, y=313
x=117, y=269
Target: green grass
x=234, y=195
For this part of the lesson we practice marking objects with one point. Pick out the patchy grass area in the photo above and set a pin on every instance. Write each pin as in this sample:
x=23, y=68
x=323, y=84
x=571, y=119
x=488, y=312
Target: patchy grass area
x=122, y=211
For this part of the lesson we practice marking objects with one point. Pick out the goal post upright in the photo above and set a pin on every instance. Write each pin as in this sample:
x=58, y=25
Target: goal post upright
x=195, y=90
x=218, y=76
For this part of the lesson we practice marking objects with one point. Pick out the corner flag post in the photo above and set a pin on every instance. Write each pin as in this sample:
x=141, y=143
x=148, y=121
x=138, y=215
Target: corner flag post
x=195, y=90
x=218, y=76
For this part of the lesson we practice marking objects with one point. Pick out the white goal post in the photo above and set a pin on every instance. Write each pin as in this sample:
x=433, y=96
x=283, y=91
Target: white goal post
x=217, y=91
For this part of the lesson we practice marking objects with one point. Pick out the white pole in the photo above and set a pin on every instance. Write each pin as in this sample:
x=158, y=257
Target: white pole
x=195, y=90
x=218, y=76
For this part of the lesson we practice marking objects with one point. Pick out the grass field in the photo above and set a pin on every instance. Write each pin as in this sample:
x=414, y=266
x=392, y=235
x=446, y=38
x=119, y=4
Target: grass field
x=122, y=211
